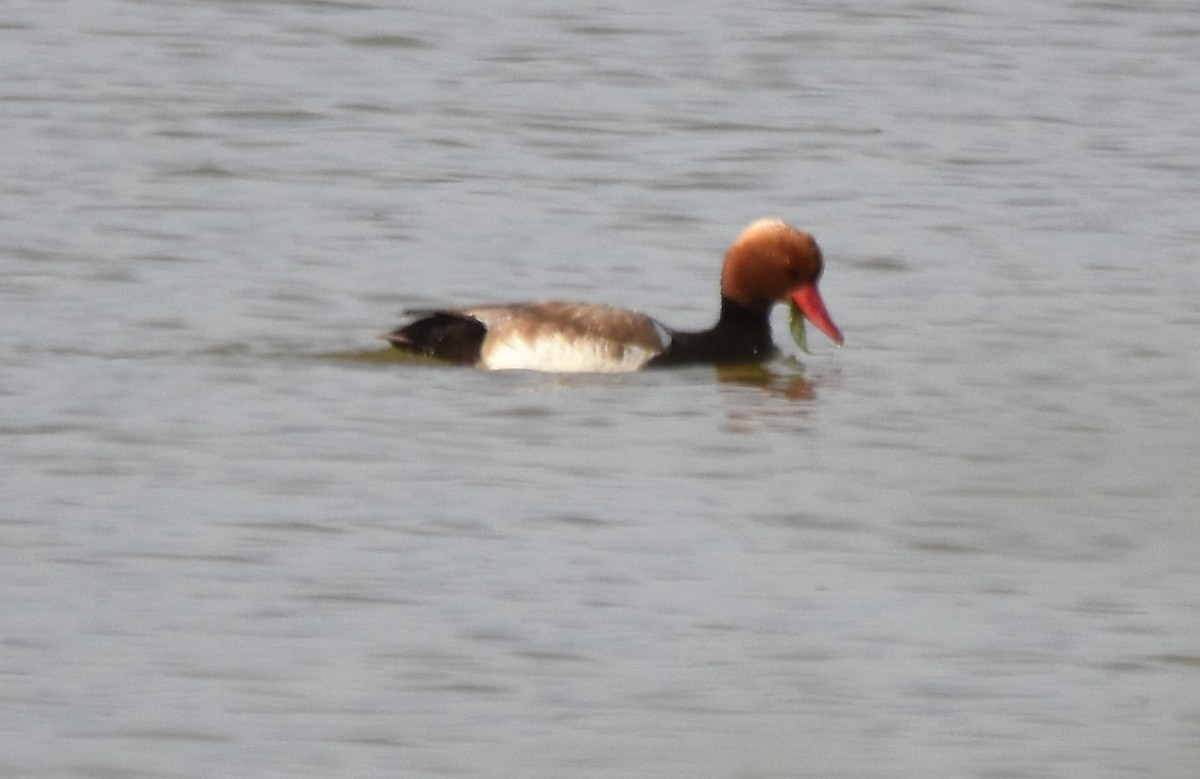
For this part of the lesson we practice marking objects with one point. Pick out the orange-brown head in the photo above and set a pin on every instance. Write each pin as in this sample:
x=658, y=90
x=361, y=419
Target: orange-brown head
x=773, y=262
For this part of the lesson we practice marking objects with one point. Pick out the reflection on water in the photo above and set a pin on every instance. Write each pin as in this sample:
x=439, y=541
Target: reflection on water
x=380, y=356
x=237, y=538
x=783, y=378
x=788, y=383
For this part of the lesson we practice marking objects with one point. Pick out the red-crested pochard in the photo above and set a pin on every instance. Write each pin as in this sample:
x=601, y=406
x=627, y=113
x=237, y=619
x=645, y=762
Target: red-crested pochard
x=770, y=262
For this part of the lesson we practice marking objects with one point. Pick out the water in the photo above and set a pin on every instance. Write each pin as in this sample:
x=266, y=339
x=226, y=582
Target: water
x=233, y=543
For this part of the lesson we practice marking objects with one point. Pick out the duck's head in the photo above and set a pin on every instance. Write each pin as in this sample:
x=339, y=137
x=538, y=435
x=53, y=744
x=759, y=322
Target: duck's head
x=772, y=262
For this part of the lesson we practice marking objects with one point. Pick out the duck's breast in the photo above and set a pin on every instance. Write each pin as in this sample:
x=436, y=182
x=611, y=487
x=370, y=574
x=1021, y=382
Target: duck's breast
x=567, y=337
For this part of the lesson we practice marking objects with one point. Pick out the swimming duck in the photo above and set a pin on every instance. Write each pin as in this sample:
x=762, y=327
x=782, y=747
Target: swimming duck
x=770, y=262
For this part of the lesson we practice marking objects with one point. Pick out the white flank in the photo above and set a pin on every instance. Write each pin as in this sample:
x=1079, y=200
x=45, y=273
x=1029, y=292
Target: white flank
x=563, y=353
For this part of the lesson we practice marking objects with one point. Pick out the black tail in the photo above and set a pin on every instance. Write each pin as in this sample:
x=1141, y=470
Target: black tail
x=441, y=334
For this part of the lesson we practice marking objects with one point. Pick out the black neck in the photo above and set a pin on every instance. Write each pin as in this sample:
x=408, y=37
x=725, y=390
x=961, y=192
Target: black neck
x=740, y=335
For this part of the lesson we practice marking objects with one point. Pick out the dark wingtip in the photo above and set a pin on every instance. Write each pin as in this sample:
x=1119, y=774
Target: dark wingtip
x=396, y=338
x=444, y=335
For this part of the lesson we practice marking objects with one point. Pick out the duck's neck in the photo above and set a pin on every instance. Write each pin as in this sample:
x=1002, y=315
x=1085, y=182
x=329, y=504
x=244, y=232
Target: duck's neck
x=740, y=335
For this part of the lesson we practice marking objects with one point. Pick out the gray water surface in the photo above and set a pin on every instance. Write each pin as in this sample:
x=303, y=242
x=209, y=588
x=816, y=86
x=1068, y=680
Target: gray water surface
x=235, y=543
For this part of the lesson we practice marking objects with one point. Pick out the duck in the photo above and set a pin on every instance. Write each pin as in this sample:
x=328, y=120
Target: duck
x=770, y=262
